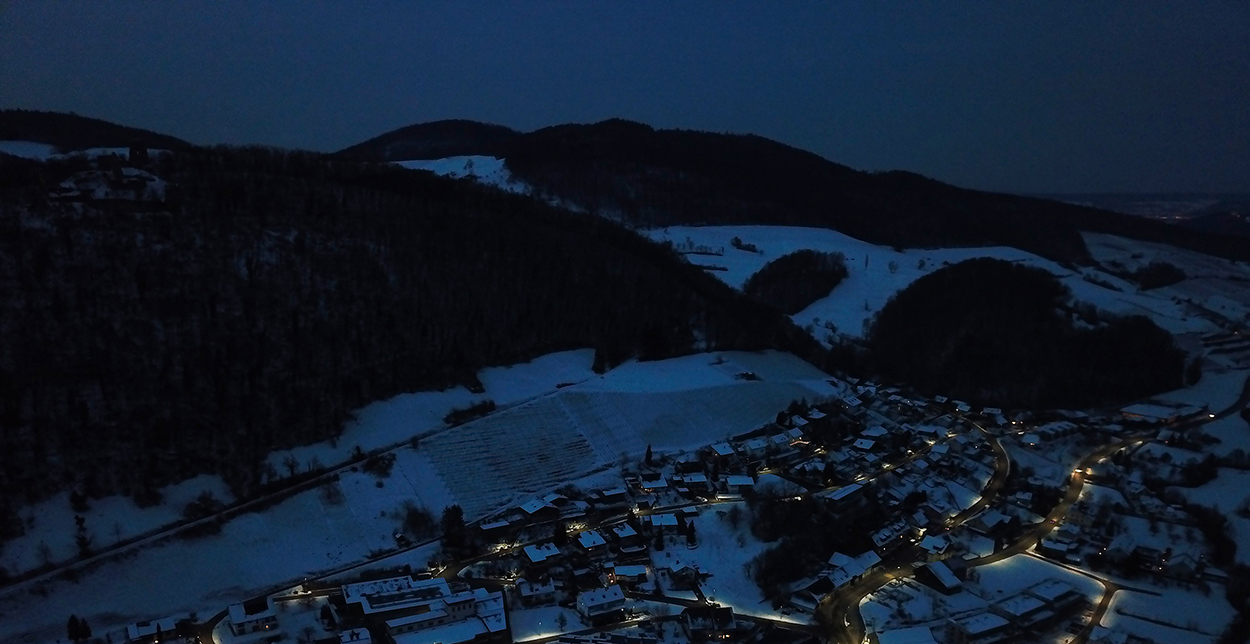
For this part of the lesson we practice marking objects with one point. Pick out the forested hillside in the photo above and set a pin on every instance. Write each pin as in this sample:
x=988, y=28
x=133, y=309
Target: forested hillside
x=69, y=132
x=649, y=177
x=1002, y=334
x=278, y=291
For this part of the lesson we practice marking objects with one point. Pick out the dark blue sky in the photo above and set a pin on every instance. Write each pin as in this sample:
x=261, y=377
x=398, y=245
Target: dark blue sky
x=1014, y=96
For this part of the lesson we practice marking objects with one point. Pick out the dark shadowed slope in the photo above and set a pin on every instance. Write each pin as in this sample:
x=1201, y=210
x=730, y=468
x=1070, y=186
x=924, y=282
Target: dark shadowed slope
x=70, y=132
x=435, y=140
x=650, y=177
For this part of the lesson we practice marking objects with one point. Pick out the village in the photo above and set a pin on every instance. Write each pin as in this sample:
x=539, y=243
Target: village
x=871, y=515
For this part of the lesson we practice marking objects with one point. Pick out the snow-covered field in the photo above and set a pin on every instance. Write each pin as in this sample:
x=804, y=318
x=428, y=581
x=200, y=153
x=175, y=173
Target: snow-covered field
x=724, y=551
x=50, y=523
x=1196, y=617
x=1228, y=492
x=877, y=272
x=400, y=418
x=483, y=465
x=1003, y=578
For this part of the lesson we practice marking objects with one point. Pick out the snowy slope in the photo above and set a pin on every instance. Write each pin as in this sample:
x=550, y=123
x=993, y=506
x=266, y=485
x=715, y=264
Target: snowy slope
x=483, y=465
x=28, y=149
x=487, y=170
x=877, y=272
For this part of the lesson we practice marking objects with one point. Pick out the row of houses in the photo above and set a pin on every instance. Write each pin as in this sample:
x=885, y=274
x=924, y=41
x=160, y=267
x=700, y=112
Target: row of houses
x=1027, y=613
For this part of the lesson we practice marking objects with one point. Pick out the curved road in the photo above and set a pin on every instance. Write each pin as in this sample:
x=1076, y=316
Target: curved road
x=840, y=610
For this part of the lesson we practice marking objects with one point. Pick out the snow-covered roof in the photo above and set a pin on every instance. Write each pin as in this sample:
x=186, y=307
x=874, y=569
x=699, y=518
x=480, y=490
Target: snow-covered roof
x=739, y=480
x=245, y=612
x=591, y=539
x=1020, y=605
x=868, y=559
x=843, y=492
x=1052, y=589
x=876, y=431
x=534, y=505
x=664, y=519
x=723, y=449
x=864, y=444
x=635, y=570
x=815, y=414
x=935, y=545
x=982, y=623
x=657, y=484
x=756, y=444
x=624, y=531
x=528, y=588
x=795, y=434
x=914, y=635
x=461, y=631
x=143, y=629
x=600, y=596
x=798, y=421
x=541, y=553
x=943, y=574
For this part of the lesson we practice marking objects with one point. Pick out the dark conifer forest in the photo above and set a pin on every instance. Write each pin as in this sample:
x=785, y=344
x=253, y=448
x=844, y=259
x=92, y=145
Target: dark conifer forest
x=1003, y=334
x=275, y=292
x=792, y=282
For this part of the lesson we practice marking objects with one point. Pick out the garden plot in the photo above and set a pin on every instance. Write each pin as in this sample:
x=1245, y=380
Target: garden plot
x=536, y=447
x=490, y=462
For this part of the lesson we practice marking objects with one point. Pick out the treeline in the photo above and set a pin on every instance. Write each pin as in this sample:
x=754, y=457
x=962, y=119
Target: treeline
x=651, y=178
x=287, y=289
x=793, y=282
x=69, y=132
x=1000, y=333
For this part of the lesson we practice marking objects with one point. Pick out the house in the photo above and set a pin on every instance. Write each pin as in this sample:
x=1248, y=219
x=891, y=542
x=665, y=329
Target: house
x=614, y=496
x=151, y=632
x=540, y=510
x=592, y=543
x=600, y=604
x=938, y=576
x=719, y=453
x=756, y=447
x=1057, y=594
x=738, y=483
x=1025, y=611
x=935, y=547
x=704, y=623
x=253, y=616
x=875, y=432
x=628, y=575
x=661, y=521
x=864, y=444
x=535, y=593
x=654, y=485
x=625, y=534
x=914, y=635
x=469, y=617
x=541, y=554
x=384, y=598
x=982, y=628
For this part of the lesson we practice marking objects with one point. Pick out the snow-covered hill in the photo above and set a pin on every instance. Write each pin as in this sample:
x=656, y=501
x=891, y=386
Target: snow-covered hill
x=877, y=272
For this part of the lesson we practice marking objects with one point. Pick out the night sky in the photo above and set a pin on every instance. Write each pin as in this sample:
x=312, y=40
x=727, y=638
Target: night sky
x=1012, y=96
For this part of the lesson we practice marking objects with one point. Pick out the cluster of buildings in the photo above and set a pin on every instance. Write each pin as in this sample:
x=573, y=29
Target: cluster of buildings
x=396, y=610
